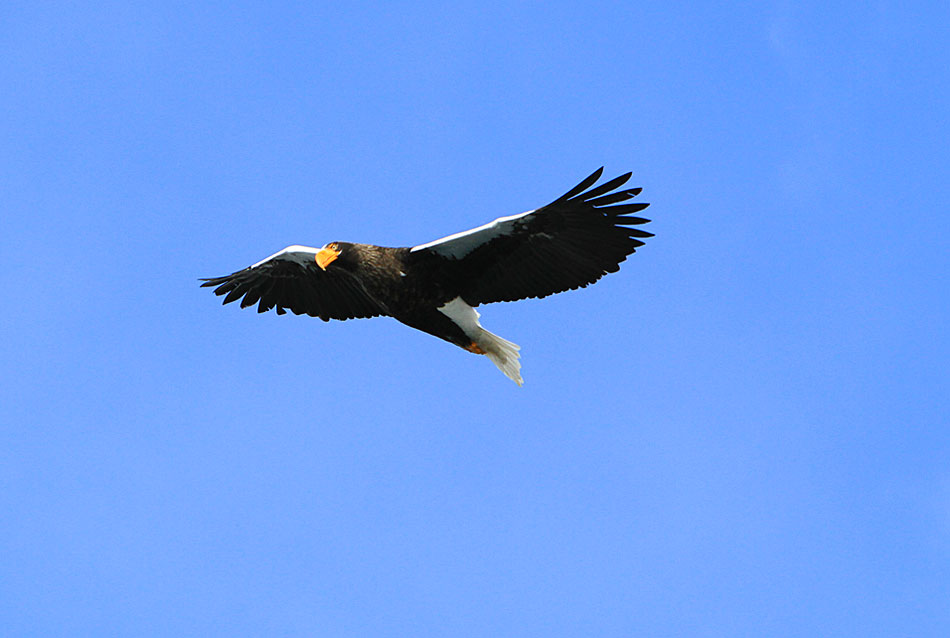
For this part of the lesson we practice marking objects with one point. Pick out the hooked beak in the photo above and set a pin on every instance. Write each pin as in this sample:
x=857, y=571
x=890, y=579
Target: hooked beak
x=325, y=256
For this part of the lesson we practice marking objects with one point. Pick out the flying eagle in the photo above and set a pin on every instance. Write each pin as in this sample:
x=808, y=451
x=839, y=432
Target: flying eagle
x=434, y=287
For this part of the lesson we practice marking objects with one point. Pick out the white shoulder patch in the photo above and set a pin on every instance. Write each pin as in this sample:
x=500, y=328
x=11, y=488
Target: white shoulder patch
x=461, y=244
x=299, y=254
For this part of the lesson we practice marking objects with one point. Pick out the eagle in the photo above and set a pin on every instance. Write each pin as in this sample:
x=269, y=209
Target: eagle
x=436, y=286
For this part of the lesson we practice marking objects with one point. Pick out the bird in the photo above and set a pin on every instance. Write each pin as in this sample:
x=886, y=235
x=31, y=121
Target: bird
x=436, y=286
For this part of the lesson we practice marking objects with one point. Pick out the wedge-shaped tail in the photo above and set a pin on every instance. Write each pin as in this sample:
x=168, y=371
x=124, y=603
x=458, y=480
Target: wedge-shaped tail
x=502, y=353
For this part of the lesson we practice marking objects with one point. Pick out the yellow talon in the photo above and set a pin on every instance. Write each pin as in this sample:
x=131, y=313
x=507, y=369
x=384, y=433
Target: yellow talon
x=473, y=347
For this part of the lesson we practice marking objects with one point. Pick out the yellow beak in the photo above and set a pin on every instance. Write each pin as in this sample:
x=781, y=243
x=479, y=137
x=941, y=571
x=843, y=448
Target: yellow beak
x=325, y=256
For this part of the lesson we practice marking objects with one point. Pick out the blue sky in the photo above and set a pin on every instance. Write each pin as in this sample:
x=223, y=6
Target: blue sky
x=743, y=432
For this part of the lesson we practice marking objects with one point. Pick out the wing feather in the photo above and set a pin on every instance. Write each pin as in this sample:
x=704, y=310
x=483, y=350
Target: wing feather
x=606, y=187
x=570, y=243
x=588, y=181
x=291, y=280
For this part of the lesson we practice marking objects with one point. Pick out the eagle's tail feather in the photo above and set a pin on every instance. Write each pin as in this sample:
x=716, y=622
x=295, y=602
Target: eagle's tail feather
x=503, y=353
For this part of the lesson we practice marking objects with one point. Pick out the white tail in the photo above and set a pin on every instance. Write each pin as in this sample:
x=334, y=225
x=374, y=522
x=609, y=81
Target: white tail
x=503, y=353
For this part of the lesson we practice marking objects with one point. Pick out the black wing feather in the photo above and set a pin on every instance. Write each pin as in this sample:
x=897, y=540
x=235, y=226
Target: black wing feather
x=287, y=284
x=570, y=243
x=607, y=186
x=589, y=181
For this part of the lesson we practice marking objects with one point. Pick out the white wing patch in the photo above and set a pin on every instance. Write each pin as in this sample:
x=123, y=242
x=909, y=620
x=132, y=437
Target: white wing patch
x=301, y=254
x=460, y=244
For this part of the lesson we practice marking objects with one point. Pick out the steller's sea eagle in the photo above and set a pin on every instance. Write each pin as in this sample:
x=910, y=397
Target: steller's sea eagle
x=434, y=287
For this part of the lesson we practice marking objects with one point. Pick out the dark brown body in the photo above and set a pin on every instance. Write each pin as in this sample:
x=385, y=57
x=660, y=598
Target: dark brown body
x=425, y=283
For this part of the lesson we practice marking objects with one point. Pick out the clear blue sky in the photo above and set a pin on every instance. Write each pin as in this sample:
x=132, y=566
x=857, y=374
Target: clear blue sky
x=743, y=432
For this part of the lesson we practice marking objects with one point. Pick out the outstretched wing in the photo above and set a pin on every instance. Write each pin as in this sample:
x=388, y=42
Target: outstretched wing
x=291, y=280
x=570, y=243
